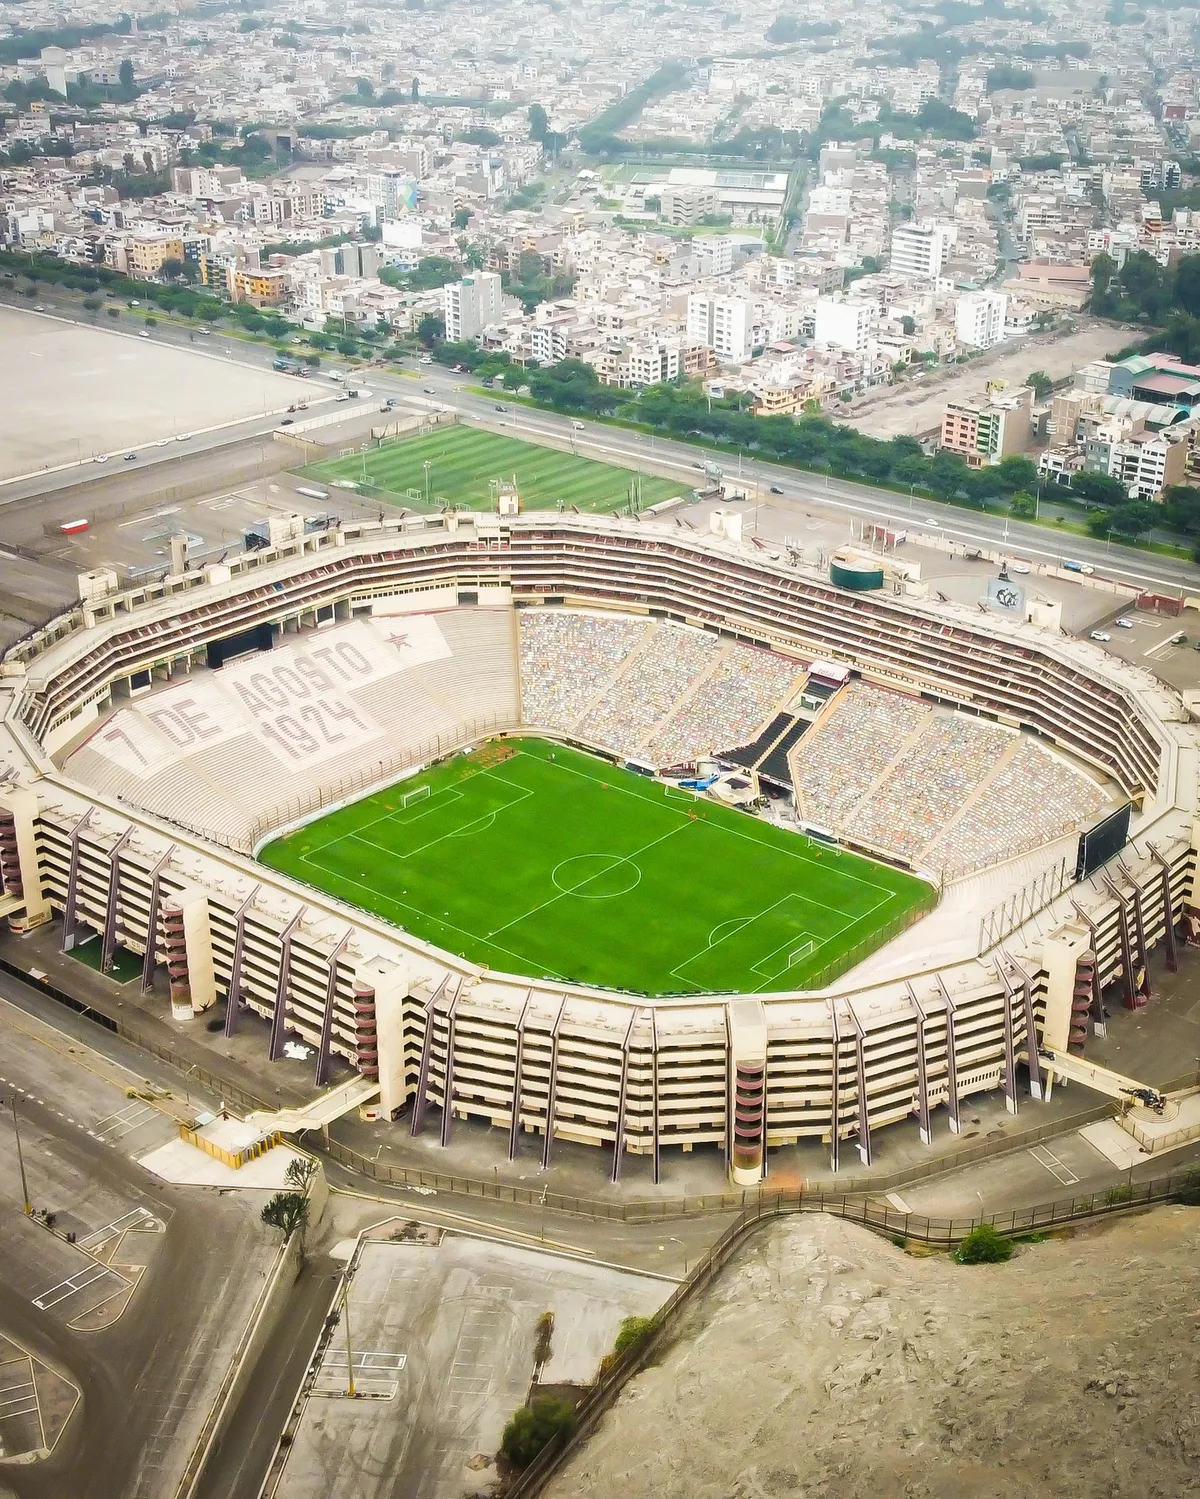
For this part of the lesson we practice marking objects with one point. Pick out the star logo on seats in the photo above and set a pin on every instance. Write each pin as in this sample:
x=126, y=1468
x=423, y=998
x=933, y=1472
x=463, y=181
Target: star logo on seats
x=399, y=641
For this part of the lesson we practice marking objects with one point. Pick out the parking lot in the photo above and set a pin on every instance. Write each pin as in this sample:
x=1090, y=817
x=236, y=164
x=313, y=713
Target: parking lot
x=443, y=1335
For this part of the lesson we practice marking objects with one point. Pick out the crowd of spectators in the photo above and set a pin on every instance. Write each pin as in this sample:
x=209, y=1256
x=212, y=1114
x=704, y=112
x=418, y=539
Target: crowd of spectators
x=1033, y=799
x=728, y=707
x=566, y=659
x=657, y=677
x=854, y=744
x=931, y=782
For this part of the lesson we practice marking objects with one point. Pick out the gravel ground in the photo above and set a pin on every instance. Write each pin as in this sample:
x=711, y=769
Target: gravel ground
x=826, y=1362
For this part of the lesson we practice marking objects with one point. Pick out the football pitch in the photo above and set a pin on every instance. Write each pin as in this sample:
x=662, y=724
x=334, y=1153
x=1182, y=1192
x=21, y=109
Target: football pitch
x=531, y=858
x=463, y=459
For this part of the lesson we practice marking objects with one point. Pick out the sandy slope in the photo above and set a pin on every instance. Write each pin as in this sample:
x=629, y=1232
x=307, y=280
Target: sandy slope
x=825, y=1362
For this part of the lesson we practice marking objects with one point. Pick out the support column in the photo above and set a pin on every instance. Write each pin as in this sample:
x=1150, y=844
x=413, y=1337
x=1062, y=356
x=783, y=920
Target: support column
x=321, y=1076
x=233, y=998
x=835, y=1088
x=657, y=1155
x=924, y=1128
x=951, y=1058
x=151, y=955
x=1031, y=1041
x=514, y=1125
x=1168, y=910
x=622, y=1093
x=1010, y=1042
x=68, y=931
x=860, y=1067
x=279, y=1014
x=552, y=1086
x=109, y=941
x=1139, y=926
x=448, y=1068
x=1131, y=995
x=421, y=1101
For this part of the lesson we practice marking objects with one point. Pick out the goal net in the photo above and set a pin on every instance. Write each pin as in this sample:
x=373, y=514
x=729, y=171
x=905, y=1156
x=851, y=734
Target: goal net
x=797, y=955
x=419, y=795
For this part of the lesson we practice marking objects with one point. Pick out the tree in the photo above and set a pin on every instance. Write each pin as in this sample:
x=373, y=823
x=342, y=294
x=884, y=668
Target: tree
x=173, y=269
x=347, y=347
x=1040, y=383
x=984, y=1246
x=634, y=1330
x=1098, y=489
x=1133, y=519
x=1023, y=505
x=909, y=325
x=431, y=329
x=462, y=217
x=1015, y=472
x=125, y=74
x=530, y=1427
x=415, y=92
x=539, y=123
x=365, y=89
x=286, y=1211
x=300, y=1172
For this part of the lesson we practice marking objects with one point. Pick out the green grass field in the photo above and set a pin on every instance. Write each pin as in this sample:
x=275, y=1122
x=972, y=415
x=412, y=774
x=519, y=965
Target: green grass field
x=463, y=460
x=557, y=865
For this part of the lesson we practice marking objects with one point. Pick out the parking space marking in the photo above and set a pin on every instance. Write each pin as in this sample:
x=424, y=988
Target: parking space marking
x=74, y=1284
x=136, y=1218
x=123, y=1122
x=1057, y=1169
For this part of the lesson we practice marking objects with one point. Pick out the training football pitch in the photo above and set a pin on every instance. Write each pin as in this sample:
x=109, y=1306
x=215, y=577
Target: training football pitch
x=462, y=460
x=557, y=865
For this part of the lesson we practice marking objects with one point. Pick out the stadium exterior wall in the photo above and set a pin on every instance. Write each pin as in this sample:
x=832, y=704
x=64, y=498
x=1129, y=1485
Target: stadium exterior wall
x=566, y=1062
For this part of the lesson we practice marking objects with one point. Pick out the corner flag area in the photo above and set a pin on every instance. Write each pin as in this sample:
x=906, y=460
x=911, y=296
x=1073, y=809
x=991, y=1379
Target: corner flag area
x=463, y=460
x=535, y=859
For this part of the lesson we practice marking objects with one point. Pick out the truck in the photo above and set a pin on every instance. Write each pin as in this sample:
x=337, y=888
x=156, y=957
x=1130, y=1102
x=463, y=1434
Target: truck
x=287, y=366
x=1071, y=566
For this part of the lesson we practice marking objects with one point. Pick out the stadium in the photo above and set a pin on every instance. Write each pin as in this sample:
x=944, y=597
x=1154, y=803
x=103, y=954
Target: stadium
x=602, y=830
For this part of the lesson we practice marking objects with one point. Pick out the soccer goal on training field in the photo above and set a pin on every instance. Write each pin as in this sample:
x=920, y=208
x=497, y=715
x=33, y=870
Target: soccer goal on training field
x=419, y=795
x=805, y=950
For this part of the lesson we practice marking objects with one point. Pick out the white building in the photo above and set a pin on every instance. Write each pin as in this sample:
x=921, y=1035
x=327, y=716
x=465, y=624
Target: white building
x=920, y=249
x=651, y=362
x=723, y=323
x=979, y=318
x=844, y=325
x=470, y=305
x=713, y=254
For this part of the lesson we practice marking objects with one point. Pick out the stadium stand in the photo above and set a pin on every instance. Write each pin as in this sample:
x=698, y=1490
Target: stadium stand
x=605, y=1069
x=230, y=754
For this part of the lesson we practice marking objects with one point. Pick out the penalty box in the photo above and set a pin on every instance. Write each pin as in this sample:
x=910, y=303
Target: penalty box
x=782, y=936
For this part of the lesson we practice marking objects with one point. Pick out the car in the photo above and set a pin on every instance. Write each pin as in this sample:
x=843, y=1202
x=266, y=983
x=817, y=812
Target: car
x=775, y=489
x=39, y=308
x=429, y=390
x=1124, y=624
x=1101, y=635
x=1017, y=566
x=162, y=442
x=135, y=303
x=389, y=403
x=181, y=436
x=100, y=458
x=342, y=395
x=287, y=421
x=143, y=335
x=501, y=408
x=203, y=332
x=130, y=457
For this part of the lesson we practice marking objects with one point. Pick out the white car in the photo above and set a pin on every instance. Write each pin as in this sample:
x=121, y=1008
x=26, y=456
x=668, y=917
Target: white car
x=1101, y=635
x=1124, y=624
x=100, y=458
x=143, y=335
x=182, y=436
x=1016, y=566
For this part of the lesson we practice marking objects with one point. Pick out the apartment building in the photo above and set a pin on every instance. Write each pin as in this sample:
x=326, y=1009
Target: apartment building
x=470, y=305
x=989, y=430
x=724, y=324
x=713, y=255
x=920, y=249
x=648, y=362
x=261, y=288
x=979, y=318
x=686, y=206
x=845, y=325
x=144, y=254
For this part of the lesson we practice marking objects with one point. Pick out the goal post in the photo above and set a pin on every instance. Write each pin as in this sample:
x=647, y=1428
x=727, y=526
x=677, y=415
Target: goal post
x=419, y=795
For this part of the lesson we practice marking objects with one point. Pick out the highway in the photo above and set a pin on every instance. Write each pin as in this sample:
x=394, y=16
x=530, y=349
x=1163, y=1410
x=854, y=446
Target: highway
x=800, y=492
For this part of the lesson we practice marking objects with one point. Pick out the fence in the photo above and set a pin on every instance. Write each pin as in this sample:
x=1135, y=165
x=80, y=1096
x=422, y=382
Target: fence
x=877, y=939
x=1024, y=904
x=943, y=1234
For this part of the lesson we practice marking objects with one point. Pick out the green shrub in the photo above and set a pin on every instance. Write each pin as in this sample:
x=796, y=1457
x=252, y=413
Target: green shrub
x=530, y=1427
x=983, y=1246
x=634, y=1330
x=1116, y=1195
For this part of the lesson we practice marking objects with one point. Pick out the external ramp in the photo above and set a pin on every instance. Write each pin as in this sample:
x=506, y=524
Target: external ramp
x=1100, y=1079
x=321, y=1111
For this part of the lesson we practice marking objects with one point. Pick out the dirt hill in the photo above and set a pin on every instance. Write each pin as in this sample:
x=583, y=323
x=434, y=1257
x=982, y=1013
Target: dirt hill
x=826, y=1362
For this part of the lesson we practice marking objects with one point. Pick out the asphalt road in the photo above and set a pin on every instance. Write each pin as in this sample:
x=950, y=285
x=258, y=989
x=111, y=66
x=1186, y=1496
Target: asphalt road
x=653, y=454
x=147, y=1379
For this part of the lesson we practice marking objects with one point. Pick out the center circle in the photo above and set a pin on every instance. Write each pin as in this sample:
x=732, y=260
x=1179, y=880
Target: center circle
x=596, y=876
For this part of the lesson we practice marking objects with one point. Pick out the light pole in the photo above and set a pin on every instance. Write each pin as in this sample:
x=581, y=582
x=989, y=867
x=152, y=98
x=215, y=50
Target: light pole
x=349, y=1345
x=21, y=1160
x=673, y=1240
x=427, y=465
